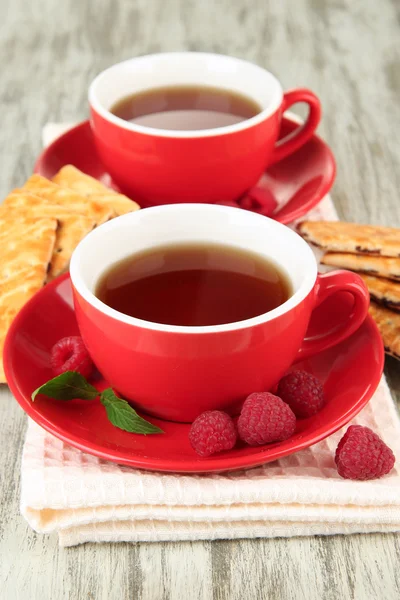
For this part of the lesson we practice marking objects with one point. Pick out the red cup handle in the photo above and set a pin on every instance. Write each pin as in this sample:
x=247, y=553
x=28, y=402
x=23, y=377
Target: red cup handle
x=303, y=133
x=326, y=285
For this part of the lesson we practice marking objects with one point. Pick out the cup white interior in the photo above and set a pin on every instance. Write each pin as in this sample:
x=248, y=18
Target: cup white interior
x=201, y=223
x=185, y=68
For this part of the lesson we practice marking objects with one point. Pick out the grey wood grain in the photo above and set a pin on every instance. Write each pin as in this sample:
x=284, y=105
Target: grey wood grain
x=347, y=51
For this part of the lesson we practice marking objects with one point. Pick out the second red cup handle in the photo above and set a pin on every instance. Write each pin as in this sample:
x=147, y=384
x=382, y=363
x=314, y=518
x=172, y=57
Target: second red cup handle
x=326, y=285
x=303, y=133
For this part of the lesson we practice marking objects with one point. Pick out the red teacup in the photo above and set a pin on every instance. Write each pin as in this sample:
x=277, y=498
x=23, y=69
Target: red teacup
x=177, y=372
x=157, y=166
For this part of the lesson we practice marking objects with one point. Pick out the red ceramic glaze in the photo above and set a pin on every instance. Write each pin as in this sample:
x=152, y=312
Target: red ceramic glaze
x=350, y=372
x=199, y=372
x=197, y=169
x=288, y=189
x=175, y=372
x=289, y=144
x=157, y=166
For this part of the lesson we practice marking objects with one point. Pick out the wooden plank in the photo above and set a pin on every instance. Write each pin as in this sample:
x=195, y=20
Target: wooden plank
x=347, y=51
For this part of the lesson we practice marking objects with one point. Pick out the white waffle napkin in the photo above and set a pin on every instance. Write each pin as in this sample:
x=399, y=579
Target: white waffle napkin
x=84, y=498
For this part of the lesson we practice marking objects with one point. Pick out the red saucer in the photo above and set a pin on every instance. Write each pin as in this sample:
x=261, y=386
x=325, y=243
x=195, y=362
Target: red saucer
x=350, y=371
x=287, y=191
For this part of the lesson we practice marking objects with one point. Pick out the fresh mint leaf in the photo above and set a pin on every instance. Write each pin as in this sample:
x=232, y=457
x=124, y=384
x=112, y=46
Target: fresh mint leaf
x=67, y=386
x=122, y=415
x=71, y=385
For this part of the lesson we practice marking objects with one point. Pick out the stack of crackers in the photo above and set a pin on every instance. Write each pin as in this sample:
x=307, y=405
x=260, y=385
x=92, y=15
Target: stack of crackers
x=41, y=224
x=373, y=252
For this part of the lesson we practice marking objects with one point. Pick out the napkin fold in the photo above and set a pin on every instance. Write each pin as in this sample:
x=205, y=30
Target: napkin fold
x=84, y=498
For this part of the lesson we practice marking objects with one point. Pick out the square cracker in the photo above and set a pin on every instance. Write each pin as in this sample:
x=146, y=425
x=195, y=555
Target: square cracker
x=54, y=194
x=72, y=178
x=72, y=226
x=119, y=203
x=383, y=291
x=338, y=236
x=380, y=266
x=26, y=249
x=388, y=323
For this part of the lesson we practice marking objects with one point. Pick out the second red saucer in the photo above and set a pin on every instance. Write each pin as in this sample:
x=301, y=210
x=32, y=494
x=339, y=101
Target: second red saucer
x=286, y=192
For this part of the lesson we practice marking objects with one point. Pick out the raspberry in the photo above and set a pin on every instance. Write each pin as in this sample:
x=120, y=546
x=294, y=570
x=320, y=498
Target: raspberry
x=212, y=431
x=70, y=354
x=260, y=200
x=265, y=418
x=361, y=454
x=303, y=392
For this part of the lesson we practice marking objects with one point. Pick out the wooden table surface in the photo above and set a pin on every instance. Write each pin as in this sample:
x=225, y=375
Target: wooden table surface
x=347, y=51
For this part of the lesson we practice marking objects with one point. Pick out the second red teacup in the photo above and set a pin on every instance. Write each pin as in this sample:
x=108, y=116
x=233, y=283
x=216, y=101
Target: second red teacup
x=164, y=166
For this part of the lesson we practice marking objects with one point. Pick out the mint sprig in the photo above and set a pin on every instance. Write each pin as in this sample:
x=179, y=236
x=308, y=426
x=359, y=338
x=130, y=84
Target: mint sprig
x=72, y=385
x=67, y=386
x=122, y=415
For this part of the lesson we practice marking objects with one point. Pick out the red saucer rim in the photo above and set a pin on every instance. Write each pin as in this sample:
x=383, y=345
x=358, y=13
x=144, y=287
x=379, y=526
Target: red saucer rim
x=260, y=455
x=289, y=218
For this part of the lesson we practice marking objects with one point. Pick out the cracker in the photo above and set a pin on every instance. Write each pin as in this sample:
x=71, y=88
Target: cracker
x=54, y=194
x=72, y=178
x=383, y=291
x=72, y=229
x=26, y=249
x=380, y=266
x=388, y=323
x=338, y=236
x=72, y=226
x=120, y=204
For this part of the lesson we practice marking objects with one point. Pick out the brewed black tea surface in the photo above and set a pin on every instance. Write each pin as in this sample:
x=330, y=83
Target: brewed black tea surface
x=186, y=108
x=194, y=285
